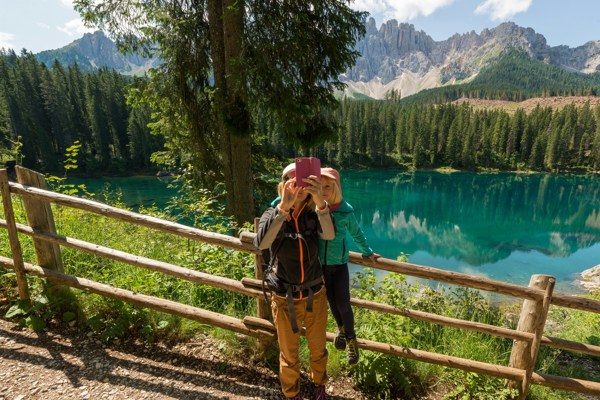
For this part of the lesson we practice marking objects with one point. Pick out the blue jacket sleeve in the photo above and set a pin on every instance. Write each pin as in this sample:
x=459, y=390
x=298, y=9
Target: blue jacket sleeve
x=358, y=236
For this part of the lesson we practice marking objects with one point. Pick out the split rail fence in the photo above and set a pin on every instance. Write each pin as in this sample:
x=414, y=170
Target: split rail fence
x=527, y=337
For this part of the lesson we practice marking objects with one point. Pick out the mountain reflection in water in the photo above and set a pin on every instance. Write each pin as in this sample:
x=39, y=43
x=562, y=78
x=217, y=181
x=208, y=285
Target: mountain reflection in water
x=504, y=226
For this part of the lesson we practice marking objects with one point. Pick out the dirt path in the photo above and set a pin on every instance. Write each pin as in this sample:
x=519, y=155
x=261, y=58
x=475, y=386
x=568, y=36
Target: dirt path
x=63, y=365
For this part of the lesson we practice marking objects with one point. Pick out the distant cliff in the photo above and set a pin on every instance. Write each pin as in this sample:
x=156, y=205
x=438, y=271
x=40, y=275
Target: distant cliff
x=397, y=56
x=95, y=50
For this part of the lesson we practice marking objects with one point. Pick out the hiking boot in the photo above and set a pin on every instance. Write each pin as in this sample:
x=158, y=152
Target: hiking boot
x=319, y=392
x=352, y=351
x=340, y=339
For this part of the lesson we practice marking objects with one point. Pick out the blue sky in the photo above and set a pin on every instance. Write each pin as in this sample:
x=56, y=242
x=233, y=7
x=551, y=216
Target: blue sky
x=49, y=24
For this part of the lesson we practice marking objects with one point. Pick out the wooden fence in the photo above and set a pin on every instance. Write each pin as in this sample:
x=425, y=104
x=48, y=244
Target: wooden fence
x=527, y=338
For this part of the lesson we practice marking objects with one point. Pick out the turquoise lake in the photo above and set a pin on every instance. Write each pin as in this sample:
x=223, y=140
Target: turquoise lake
x=502, y=226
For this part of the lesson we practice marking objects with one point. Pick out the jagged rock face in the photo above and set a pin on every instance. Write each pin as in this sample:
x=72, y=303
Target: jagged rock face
x=96, y=46
x=396, y=54
x=382, y=51
x=95, y=50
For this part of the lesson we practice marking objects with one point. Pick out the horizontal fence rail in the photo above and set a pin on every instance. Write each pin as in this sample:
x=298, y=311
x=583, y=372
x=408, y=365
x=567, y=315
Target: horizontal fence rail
x=143, y=262
x=134, y=218
x=440, y=275
x=528, y=336
x=182, y=310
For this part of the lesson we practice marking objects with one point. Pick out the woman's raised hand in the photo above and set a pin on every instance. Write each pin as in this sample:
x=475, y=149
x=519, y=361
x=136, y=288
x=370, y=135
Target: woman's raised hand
x=289, y=195
x=314, y=189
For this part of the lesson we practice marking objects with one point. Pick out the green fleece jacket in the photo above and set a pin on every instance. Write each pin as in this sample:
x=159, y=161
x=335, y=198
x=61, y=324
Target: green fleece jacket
x=334, y=252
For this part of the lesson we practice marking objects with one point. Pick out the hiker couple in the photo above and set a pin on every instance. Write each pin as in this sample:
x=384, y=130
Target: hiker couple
x=304, y=232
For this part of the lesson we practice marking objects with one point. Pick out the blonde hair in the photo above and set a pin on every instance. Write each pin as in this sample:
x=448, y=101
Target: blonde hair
x=336, y=195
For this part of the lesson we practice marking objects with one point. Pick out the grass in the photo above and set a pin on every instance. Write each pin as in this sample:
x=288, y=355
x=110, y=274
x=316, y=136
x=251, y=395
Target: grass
x=112, y=318
x=383, y=377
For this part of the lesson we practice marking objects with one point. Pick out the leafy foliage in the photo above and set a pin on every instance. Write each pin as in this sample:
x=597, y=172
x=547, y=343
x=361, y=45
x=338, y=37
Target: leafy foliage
x=223, y=59
x=478, y=387
x=393, y=377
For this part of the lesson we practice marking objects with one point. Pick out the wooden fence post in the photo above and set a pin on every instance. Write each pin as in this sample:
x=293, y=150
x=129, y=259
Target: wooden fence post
x=39, y=215
x=13, y=237
x=532, y=320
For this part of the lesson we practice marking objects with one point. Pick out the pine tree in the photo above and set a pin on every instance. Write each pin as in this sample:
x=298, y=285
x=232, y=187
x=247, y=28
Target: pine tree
x=58, y=108
x=222, y=58
x=554, y=146
x=595, y=151
x=517, y=126
x=5, y=126
x=142, y=144
x=80, y=117
x=100, y=128
x=586, y=126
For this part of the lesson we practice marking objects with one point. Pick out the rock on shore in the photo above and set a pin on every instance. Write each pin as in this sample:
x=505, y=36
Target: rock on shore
x=590, y=278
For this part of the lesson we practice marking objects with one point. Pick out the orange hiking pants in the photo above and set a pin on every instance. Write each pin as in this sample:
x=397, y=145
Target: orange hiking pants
x=315, y=323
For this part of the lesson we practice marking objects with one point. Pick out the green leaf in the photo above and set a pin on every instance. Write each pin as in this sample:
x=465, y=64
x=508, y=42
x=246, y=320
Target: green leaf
x=95, y=322
x=146, y=330
x=35, y=323
x=68, y=316
x=18, y=308
x=42, y=299
x=163, y=324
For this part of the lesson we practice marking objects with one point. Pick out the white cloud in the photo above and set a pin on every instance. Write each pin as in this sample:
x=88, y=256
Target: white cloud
x=402, y=10
x=43, y=25
x=67, y=3
x=501, y=10
x=74, y=27
x=6, y=40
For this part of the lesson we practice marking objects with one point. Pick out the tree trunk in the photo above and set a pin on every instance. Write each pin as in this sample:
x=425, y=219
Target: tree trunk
x=226, y=19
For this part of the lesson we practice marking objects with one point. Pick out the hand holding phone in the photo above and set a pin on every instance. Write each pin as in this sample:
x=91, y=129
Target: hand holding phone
x=305, y=167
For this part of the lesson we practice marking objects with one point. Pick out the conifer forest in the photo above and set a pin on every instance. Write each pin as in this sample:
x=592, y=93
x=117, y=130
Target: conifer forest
x=45, y=110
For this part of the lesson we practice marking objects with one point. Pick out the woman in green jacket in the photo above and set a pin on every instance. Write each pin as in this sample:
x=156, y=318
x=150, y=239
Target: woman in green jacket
x=334, y=257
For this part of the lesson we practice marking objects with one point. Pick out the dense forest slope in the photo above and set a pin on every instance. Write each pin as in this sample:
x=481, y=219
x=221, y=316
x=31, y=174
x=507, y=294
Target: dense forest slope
x=515, y=77
x=44, y=110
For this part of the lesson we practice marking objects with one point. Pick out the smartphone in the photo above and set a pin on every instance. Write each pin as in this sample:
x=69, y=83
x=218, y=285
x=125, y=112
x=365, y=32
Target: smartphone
x=305, y=167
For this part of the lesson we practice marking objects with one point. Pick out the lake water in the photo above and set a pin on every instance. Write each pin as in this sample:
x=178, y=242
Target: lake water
x=502, y=226
x=134, y=191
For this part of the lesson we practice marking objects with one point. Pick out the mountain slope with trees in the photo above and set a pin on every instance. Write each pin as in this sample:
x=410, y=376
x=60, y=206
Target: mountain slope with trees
x=515, y=76
x=383, y=134
x=398, y=57
x=43, y=111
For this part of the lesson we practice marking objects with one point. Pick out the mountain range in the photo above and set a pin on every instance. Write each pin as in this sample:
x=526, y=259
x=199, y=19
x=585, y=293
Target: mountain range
x=397, y=56
x=96, y=50
x=394, y=57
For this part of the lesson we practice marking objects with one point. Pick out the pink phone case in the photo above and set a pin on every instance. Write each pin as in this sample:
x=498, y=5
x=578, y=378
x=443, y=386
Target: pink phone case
x=305, y=167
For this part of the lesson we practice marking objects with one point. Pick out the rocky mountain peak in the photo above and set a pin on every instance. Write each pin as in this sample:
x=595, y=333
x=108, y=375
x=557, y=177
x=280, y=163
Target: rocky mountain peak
x=398, y=56
x=394, y=56
x=95, y=50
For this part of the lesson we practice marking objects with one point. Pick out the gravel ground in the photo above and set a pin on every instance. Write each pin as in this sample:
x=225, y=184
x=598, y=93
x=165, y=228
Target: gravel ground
x=65, y=364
